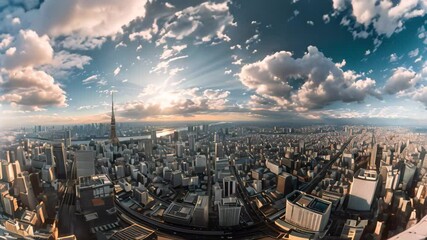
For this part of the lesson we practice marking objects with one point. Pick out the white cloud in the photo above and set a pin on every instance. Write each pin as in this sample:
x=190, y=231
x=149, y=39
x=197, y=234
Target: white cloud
x=310, y=23
x=27, y=50
x=120, y=44
x=420, y=95
x=203, y=23
x=326, y=18
x=90, y=79
x=401, y=79
x=75, y=42
x=168, y=5
x=385, y=17
x=84, y=18
x=323, y=81
x=172, y=51
x=30, y=89
x=64, y=61
x=367, y=52
x=162, y=101
x=393, y=57
x=413, y=53
x=145, y=34
x=117, y=70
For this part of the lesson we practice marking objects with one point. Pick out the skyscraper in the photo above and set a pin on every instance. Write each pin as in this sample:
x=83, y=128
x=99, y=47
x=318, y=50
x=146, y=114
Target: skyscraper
x=60, y=158
x=229, y=212
x=85, y=160
x=113, y=135
x=363, y=189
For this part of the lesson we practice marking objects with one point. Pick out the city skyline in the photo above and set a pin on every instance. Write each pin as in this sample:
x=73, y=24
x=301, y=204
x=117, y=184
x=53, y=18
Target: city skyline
x=303, y=61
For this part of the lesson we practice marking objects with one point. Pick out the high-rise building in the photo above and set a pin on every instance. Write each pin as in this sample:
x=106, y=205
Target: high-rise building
x=179, y=149
x=201, y=212
x=154, y=137
x=363, y=189
x=229, y=212
x=408, y=175
x=284, y=183
x=113, y=135
x=49, y=156
x=307, y=212
x=192, y=143
x=219, y=150
x=60, y=160
x=85, y=163
x=96, y=197
x=229, y=186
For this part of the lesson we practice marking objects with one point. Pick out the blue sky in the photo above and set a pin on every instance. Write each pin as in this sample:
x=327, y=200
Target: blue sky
x=295, y=61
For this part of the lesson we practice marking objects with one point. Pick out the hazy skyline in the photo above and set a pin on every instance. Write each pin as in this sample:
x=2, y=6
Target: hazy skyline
x=230, y=60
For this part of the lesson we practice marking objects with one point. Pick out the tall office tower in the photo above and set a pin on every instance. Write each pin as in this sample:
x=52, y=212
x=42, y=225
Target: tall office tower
x=49, y=156
x=392, y=178
x=179, y=149
x=229, y=186
x=219, y=150
x=284, y=183
x=67, y=138
x=7, y=171
x=175, y=136
x=154, y=137
x=200, y=163
x=220, y=165
x=229, y=212
x=20, y=157
x=113, y=135
x=376, y=156
x=301, y=146
x=192, y=143
x=216, y=137
x=24, y=189
x=408, y=175
x=85, y=163
x=362, y=190
x=60, y=160
x=305, y=211
x=201, y=212
x=10, y=203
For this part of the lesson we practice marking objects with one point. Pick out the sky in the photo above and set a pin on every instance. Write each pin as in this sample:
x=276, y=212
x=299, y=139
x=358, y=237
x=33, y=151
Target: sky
x=305, y=61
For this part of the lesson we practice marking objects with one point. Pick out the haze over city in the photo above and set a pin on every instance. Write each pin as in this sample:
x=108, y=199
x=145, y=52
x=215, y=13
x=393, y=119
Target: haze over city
x=302, y=61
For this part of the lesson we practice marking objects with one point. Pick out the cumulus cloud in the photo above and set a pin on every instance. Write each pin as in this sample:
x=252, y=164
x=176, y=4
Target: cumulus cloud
x=84, y=18
x=162, y=102
x=76, y=42
x=29, y=49
x=385, y=17
x=401, y=79
x=30, y=89
x=323, y=82
x=393, y=57
x=203, y=23
x=421, y=95
x=63, y=62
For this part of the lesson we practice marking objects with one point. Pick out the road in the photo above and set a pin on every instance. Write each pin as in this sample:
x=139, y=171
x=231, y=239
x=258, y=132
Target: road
x=308, y=188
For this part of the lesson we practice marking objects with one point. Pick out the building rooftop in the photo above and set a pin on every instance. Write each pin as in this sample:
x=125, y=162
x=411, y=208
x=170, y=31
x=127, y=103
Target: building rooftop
x=134, y=231
x=94, y=181
x=178, y=211
x=308, y=201
x=366, y=174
